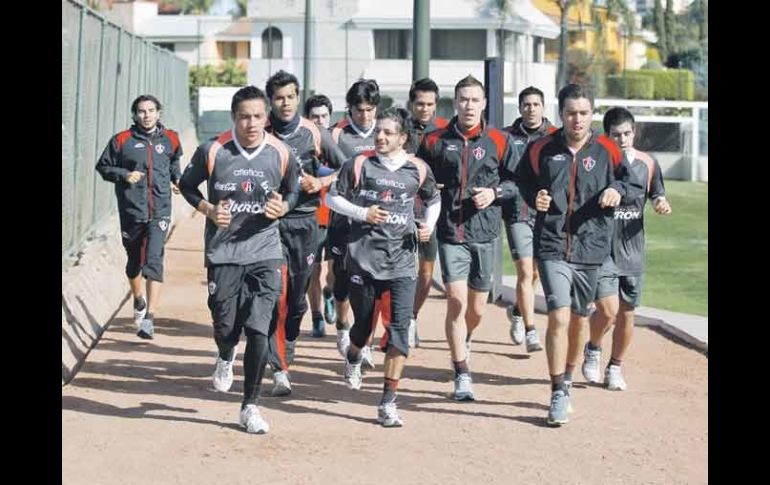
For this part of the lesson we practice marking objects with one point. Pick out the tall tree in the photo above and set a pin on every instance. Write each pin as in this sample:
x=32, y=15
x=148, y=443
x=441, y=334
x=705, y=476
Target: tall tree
x=660, y=30
x=670, y=25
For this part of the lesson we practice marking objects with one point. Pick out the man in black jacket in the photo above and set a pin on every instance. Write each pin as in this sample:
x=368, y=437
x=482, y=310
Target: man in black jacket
x=573, y=178
x=143, y=163
x=473, y=164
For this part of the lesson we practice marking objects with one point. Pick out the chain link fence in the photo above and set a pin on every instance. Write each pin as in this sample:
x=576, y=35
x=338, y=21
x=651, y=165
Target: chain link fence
x=104, y=68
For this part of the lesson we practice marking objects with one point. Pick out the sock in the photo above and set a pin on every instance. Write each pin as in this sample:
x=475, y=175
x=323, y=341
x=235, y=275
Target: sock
x=389, y=391
x=461, y=367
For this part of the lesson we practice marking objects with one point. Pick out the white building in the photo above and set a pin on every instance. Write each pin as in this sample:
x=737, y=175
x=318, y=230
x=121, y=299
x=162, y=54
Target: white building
x=373, y=39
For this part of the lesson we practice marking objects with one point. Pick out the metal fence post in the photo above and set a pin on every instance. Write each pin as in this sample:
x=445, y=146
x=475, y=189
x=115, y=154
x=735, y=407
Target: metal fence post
x=493, y=81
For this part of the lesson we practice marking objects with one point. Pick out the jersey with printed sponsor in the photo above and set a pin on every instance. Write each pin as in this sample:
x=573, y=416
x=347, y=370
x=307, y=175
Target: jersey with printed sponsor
x=519, y=211
x=387, y=250
x=353, y=142
x=246, y=179
x=628, y=240
x=312, y=148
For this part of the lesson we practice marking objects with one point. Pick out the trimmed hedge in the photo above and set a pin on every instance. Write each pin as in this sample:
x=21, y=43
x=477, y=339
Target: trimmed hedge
x=676, y=84
x=630, y=87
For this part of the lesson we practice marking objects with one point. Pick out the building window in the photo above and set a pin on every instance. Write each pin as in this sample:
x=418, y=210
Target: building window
x=460, y=45
x=227, y=50
x=393, y=44
x=537, y=42
x=169, y=46
x=272, y=43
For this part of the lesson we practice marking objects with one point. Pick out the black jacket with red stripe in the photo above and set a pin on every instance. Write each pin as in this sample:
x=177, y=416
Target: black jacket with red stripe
x=486, y=158
x=575, y=228
x=519, y=211
x=157, y=156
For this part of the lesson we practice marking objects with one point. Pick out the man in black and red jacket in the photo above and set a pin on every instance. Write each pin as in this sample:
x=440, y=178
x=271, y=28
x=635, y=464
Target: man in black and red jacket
x=573, y=178
x=143, y=163
x=473, y=164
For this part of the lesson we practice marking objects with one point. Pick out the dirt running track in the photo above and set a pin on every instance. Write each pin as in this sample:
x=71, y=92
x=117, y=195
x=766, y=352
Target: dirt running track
x=145, y=413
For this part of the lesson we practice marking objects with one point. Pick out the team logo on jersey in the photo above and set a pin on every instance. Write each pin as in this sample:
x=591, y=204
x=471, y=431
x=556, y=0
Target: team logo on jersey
x=160, y=149
x=163, y=225
x=589, y=163
x=387, y=196
x=356, y=279
x=247, y=186
x=310, y=259
x=212, y=287
x=479, y=153
x=139, y=145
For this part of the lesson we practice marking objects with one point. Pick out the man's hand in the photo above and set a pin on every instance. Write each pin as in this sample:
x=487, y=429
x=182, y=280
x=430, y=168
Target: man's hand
x=275, y=207
x=542, y=201
x=134, y=177
x=483, y=197
x=610, y=198
x=423, y=232
x=662, y=206
x=375, y=215
x=220, y=213
x=310, y=184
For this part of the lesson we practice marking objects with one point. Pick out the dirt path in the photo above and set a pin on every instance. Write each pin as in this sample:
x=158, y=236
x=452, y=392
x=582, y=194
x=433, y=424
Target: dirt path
x=145, y=413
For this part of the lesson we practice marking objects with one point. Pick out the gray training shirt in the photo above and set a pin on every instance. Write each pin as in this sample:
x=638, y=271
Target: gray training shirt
x=246, y=180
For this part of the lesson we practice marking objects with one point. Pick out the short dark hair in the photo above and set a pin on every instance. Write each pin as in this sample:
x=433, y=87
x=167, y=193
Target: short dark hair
x=279, y=80
x=142, y=98
x=397, y=114
x=424, y=84
x=468, y=81
x=244, y=94
x=575, y=91
x=316, y=101
x=529, y=92
x=617, y=116
x=363, y=91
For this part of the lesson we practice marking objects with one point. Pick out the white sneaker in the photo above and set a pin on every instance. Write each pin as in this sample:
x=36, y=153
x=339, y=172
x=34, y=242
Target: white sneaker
x=352, y=375
x=368, y=357
x=533, y=341
x=252, y=420
x=517, y=326
x=412, y=333
x=281, y=383
x=387, y=415
x=591, y=362
x=343, y=341
x=146, y=329
x=223, y=374
x=139, y=314
x=290, y=348
x=463, y=388
x=613, y=378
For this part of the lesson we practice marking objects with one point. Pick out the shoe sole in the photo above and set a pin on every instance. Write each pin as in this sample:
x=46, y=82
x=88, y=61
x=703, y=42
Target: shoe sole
x=352, y=387
x=222, y=390
x=390, y=424
x=259, y=431
x=144, y=335
x=464, y=397
x=533, y=348
x=281, y=391
x=556, y=422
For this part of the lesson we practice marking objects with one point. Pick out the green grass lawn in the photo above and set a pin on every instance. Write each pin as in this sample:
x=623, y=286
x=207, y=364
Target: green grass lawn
x=676, y=276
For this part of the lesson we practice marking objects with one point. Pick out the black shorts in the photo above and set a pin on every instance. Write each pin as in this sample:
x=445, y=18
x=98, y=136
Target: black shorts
x=144, y=243
x=243, y=297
